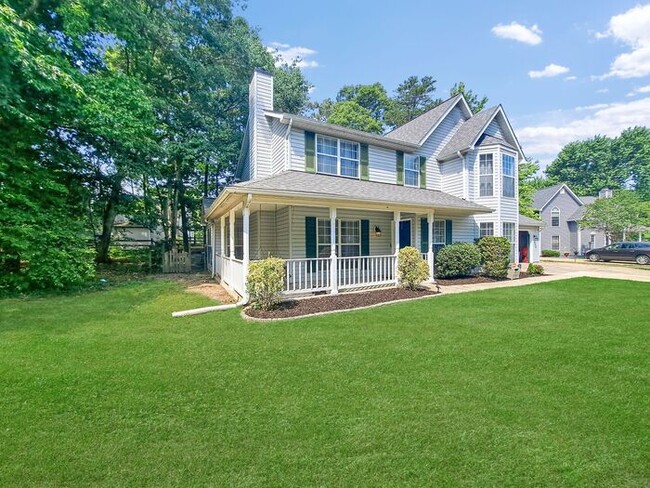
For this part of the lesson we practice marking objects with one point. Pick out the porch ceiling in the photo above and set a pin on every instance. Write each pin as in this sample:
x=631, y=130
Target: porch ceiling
x=297, y=187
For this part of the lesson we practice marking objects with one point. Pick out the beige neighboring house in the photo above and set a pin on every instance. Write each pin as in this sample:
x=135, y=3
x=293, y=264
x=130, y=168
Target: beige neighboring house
x=337, y=204
x=127, y=234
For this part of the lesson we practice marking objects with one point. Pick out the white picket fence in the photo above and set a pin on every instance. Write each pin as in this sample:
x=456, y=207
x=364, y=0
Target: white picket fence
x=177, y=262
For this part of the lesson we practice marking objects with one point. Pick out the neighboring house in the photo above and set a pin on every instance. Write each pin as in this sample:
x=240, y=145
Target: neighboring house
x=561, y=211
x=128, y=234
x=337, y=204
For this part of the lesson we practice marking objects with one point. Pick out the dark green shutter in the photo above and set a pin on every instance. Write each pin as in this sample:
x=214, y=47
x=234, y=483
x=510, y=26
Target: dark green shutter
x=423, y=172
x=364, y=161
x=424, y=234
x=365, y=238
x=311, y=249
x=310, y=152
x=400, y=167
x=448, y=232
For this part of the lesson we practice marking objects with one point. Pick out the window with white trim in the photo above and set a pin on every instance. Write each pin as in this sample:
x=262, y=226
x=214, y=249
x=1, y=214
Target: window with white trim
x=348, y=238
x=486, y=175
x=509, y=233
x=486, y=229
x=411, y=170
x=555, y=243
x=439, y=237
x=555, y=217
x=337, y=157
x=508, y=168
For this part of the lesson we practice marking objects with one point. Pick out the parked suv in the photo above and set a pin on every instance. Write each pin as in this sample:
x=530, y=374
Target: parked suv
x=622, y=251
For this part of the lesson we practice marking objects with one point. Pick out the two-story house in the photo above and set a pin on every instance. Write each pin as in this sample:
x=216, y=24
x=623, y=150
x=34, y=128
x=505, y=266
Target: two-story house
x=337, y=204
x=561, y=211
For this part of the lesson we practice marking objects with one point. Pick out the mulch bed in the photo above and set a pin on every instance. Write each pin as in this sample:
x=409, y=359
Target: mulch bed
x=472, y=280
x=343, y=301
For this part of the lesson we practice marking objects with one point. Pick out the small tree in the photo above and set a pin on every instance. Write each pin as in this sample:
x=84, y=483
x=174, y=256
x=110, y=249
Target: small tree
x=457, y=260
x=412, y=270
x=623, y=213
x=265, y=282
x=495, y=256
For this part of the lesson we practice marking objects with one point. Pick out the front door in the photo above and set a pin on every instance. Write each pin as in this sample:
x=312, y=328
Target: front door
x=404, y=233
x=524, y=250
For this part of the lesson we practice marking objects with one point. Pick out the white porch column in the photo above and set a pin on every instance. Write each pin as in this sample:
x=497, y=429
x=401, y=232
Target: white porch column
x=246, y=213
x=214, y=248
x=396, y=217
x=430, y=245
x=579, y=240
x=231, y=222
x=334, y=275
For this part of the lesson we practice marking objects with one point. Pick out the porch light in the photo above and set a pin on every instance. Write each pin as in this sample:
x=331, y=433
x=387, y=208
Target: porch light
x=377, y=231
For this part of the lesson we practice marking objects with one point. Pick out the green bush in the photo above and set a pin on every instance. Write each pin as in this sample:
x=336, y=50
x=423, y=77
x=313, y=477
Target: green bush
x=412, y=270
x=495, y=256
x=535, y=269
x=550, y=253
x=265, y=282
x=457, y=260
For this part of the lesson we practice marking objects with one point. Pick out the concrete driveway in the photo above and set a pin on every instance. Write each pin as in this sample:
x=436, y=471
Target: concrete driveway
x=568, y=268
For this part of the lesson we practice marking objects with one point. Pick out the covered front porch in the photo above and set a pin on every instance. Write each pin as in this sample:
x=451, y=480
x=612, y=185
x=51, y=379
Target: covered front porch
x=328, y=244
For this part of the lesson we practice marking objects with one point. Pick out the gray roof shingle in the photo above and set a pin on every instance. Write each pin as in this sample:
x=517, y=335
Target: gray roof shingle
x=527, y=221
x=467, y=134
x=486, y=140
x=311, y=185
x=543, y=195
x=415, y=130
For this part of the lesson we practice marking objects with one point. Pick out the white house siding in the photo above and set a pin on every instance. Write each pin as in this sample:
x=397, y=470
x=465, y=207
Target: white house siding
x=494, y=129
x=261, y=99
x=282, y=232
x=382, y=165
x=452, y=177
x=435, y=142
x=263, y=234
x=278, y=146
x=297, y=150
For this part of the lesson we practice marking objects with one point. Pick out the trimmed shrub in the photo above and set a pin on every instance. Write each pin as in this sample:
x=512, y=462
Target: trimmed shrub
x=535, y=269
x=495, y=256
x=550, y=253
x=412, y=270
x=457, y=260
x=265, y=282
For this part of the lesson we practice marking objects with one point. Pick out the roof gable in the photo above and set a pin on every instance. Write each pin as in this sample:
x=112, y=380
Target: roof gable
x=420, y=128
x=544, y=196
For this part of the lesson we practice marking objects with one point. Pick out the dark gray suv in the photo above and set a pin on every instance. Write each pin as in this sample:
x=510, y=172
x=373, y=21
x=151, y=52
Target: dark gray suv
x=622, y=251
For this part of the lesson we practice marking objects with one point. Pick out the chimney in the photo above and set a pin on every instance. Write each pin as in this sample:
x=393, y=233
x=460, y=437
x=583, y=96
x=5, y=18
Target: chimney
x=260, y=98
x=605, y=193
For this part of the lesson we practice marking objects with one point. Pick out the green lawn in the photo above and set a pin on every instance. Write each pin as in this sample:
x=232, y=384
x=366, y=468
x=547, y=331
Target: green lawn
x=544, y=385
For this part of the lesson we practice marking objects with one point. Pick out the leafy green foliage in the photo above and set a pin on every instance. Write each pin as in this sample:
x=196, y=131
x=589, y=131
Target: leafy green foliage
x=456, y=260
x=412, y=270
x=623, y=213
x=475, y=103
x=495, y=256
x=535, y=269
x=413, y=97
x=351, y=114
x=265, y=282
x=291, y=89
x=550, y=253
x=529, y=183
x=371, y=97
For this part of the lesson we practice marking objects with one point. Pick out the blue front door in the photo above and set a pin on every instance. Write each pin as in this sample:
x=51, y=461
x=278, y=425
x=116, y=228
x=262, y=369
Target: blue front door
x=404, y=233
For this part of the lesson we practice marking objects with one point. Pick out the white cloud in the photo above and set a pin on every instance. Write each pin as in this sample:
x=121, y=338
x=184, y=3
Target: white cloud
x=545, y=140
x=571, y=78
x=550, y=71
x=602, y=90
x=641, y=89
x=633, y=29
x=285, y=53
x=518, y=32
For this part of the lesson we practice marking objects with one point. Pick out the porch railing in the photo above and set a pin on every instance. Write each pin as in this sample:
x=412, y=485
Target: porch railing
x=361, y=271
x=233, y=274
x=307, y=275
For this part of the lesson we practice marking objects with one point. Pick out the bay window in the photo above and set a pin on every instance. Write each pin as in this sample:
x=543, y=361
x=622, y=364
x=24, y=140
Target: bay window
x=486, y=229
x=508, y=168
x=509, y=233
x=486, y=175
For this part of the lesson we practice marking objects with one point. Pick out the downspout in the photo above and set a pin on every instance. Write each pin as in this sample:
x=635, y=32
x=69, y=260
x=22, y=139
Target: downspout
x=287, y=136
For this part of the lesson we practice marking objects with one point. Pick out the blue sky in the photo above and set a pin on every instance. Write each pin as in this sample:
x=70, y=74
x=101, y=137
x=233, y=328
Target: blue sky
x=563, y=70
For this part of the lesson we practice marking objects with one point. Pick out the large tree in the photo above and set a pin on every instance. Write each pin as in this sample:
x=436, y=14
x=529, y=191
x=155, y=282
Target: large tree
x=619, y=216
x=631, y=150
x=413, y=97
x=476, y=103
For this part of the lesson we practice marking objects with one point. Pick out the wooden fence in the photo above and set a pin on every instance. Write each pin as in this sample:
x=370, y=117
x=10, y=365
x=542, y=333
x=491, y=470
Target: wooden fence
x=177, y=262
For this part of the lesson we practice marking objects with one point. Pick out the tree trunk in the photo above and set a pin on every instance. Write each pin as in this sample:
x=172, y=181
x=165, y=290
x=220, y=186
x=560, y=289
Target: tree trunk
x=108, y=219
x=184, y=227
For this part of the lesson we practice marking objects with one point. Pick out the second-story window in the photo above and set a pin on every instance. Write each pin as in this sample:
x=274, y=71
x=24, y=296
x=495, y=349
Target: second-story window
x=508, y=167
x=411, y=170
x=337, y=157
x=486, y=175
x=555, y=217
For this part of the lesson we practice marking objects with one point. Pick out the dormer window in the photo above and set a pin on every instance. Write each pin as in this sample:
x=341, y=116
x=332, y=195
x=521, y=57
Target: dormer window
x=411, y=170
x=486, y=175
x=337, y=157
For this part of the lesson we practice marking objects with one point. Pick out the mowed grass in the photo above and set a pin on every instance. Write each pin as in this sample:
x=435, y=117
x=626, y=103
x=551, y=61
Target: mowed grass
x=543, y=385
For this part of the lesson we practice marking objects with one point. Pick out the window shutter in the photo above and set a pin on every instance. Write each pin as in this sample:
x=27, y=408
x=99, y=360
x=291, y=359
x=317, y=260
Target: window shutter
x=423, y=172
x=365, y=238
x=364, y=161
x=400, y=167
x=310, y=152
x=310, y=237
x=448, y=232
x=424, y=235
